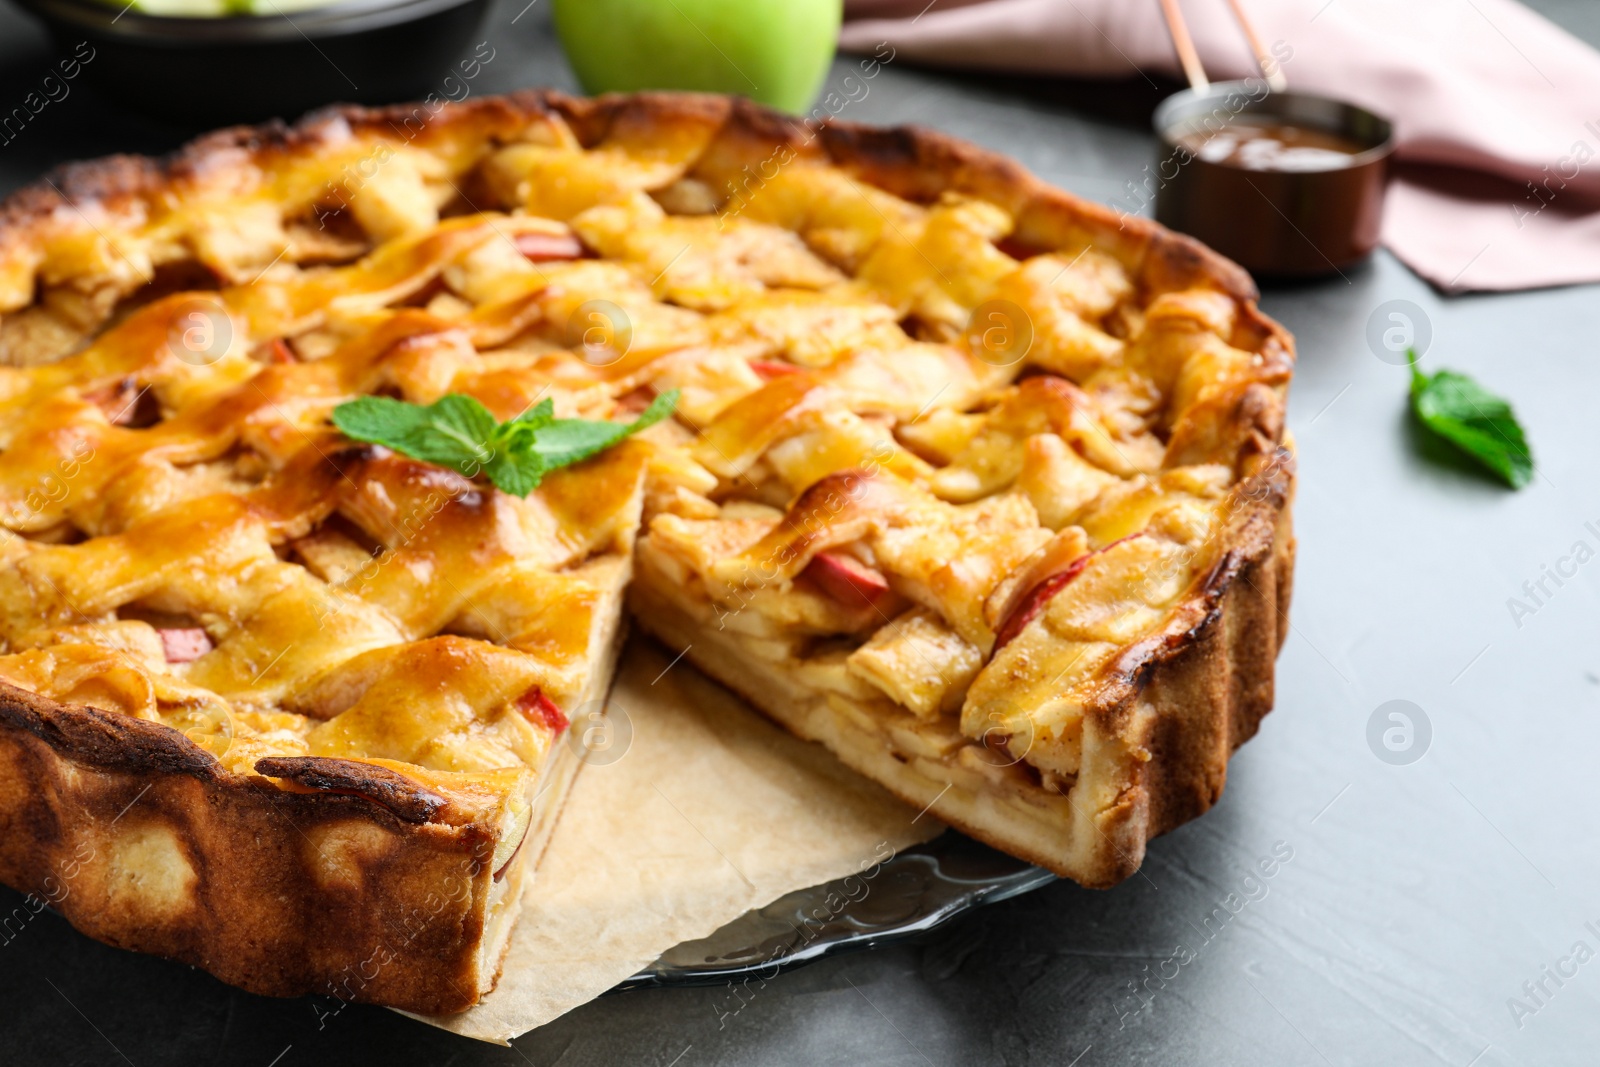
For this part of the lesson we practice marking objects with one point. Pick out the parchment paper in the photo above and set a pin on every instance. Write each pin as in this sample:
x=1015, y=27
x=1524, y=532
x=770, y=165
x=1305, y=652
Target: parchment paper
x=707, y=811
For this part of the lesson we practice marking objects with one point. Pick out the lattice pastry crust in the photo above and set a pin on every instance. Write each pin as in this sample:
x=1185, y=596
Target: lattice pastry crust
x=977, y=484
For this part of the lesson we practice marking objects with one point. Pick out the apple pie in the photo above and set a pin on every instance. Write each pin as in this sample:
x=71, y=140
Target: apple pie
x=975, y=483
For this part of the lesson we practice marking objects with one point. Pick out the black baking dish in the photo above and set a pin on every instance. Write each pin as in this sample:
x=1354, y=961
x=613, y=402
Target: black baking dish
x=244, y=68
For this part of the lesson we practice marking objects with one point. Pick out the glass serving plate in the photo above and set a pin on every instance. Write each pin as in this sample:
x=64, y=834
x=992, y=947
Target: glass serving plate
x=911, y=893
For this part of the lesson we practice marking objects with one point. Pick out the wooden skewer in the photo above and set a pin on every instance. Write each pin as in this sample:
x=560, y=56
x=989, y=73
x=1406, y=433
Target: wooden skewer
x=1269, y=66
x=1185, y=46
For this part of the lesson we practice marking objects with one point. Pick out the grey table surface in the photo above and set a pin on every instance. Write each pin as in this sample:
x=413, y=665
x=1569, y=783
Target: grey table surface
x=1410, y=903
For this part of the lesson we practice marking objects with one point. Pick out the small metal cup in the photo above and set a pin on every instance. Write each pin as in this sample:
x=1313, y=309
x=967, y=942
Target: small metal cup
x=1274, y=223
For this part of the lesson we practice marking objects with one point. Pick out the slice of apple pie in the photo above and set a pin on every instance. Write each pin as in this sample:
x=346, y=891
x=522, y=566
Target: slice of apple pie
x=975, y=483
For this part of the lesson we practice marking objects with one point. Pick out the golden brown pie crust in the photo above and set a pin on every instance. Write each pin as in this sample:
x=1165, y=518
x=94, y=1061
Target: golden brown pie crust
x=400, y=924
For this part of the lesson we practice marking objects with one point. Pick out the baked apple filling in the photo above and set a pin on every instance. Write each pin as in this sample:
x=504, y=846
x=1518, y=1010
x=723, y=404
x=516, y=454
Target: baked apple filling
x=979, y=624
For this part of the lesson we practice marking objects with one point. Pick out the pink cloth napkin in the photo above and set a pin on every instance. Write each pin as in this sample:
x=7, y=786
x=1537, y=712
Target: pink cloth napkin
x=1487, y=97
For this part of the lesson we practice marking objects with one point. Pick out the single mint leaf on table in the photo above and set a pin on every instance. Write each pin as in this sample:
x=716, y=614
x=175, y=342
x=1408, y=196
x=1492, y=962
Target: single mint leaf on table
x=1474, y=420
x=458, y=432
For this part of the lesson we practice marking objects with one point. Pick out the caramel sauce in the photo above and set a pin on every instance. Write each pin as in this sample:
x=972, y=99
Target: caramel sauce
x=1263, y=145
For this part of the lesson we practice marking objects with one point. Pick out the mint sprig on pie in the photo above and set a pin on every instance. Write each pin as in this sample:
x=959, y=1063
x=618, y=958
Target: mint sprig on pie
x=458, y=432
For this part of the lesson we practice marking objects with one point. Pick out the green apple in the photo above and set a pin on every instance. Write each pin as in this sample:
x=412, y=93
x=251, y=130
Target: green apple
x=773, y=51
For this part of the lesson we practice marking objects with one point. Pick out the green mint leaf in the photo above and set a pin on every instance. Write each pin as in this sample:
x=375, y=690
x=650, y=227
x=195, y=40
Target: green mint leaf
x=565, y=441
x=1474, y=420
x=454, y=431
x=377, y=419
x=516, y=473
x=541, y=414
x=458, y=432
